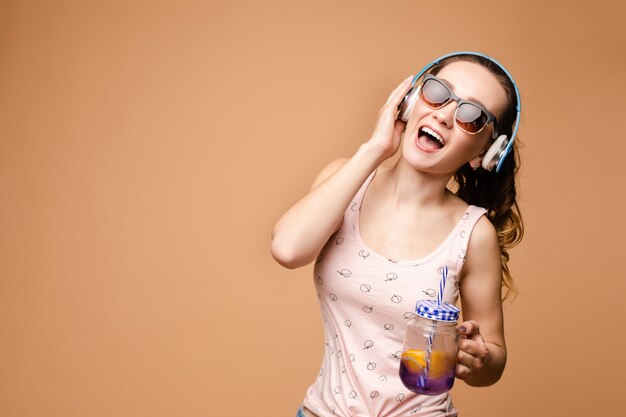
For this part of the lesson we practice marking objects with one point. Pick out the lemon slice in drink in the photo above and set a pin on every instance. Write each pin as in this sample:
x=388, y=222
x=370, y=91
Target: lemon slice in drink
x=441, y=364
x=414, y=360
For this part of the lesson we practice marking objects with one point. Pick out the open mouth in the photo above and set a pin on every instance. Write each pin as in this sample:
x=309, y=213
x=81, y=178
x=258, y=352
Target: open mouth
x=429, y=139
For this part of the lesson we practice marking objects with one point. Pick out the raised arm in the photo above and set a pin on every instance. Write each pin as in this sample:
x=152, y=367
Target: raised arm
x=300, y=234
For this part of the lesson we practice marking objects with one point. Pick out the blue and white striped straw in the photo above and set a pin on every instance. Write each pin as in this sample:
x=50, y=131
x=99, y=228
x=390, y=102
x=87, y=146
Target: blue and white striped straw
x=442, y=284
x=424, y=375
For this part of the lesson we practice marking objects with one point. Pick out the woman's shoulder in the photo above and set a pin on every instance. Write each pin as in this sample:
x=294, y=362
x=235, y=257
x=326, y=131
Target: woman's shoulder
x=485, y=232
x=483, y=226
x=483, y=244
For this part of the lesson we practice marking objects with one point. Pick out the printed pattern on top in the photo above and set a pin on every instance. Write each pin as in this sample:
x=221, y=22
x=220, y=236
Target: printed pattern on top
x=366, y=300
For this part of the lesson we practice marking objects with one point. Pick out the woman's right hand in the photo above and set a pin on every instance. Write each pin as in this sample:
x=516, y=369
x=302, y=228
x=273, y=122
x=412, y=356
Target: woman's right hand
x=388, y=129
x=303, y=230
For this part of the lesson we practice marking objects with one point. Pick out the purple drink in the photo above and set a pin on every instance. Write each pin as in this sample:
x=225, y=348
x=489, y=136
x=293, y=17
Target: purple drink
x=436, y=380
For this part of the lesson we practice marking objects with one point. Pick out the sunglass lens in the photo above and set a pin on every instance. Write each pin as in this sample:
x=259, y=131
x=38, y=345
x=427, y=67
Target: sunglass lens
x=434, y=93
x=470, y=118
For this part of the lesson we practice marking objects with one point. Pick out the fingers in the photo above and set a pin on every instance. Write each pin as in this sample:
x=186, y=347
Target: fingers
x=398, y=93
x=399, y=127
x=468, y=364
x=387, y=132
x=473, y=348
x=473, y=351
x=471, y=357
x=469, y=329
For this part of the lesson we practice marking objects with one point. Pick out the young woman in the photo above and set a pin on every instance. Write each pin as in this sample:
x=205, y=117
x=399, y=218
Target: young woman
x=380, y=236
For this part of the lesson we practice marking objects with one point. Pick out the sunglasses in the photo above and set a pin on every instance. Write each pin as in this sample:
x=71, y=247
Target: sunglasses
x=469, y=116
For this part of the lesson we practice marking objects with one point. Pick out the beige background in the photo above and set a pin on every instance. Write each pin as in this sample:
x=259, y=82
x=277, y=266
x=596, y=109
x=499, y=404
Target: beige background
x=147, y=148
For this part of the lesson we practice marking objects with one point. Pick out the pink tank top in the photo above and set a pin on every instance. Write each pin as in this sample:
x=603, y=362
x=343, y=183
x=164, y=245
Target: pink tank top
x=366, y=301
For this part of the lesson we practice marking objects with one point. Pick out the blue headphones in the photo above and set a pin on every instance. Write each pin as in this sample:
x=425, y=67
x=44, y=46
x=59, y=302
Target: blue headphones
x=497, y=152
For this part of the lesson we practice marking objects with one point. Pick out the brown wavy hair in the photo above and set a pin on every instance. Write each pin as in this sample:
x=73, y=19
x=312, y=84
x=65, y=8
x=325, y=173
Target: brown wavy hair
x=496, y=192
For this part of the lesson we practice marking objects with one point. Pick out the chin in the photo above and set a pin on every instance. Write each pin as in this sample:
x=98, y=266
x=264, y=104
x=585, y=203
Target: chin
x=417, y=158
x=421, y=162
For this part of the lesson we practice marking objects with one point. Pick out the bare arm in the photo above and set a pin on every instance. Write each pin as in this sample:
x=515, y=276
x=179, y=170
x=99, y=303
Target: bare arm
x=482, y=352
x=300, y=234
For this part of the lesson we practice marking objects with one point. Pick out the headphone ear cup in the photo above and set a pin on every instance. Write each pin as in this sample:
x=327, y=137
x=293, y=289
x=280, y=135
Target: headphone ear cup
x=407, y=103
x=492, y=156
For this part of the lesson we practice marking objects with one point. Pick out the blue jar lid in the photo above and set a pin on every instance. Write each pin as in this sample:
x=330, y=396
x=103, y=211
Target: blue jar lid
x=431, y=310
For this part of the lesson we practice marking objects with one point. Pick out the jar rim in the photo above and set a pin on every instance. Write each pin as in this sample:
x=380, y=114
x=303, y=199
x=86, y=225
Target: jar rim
x=430, y=309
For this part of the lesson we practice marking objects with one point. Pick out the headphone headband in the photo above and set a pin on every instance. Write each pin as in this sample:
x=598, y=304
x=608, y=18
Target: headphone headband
x=518, y=107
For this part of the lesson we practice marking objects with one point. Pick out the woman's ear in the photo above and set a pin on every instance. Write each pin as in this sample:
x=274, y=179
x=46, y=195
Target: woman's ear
x=476, y=162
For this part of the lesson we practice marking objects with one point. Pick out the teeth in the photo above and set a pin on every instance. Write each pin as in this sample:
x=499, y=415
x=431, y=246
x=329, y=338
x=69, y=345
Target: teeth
x=433, y=134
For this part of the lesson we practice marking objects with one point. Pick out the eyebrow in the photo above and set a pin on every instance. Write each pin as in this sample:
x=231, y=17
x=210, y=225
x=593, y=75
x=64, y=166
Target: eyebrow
x=468, y=98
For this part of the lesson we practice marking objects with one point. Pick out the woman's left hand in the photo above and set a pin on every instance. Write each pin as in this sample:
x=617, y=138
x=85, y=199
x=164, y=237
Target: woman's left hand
x=473, y=351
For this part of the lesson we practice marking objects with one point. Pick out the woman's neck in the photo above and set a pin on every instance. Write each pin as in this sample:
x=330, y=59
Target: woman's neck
x=408, y=187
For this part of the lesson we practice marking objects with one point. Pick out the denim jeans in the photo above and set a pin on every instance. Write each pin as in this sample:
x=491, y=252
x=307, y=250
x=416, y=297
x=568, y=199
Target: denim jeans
x=300, y=413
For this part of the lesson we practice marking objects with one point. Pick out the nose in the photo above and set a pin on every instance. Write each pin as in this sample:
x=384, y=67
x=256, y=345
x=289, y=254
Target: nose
x=445, y=114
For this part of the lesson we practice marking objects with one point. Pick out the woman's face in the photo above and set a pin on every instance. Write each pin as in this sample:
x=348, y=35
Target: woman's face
x=472, y=82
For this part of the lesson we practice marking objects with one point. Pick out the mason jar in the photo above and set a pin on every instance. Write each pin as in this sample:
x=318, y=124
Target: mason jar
x=430, y=349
